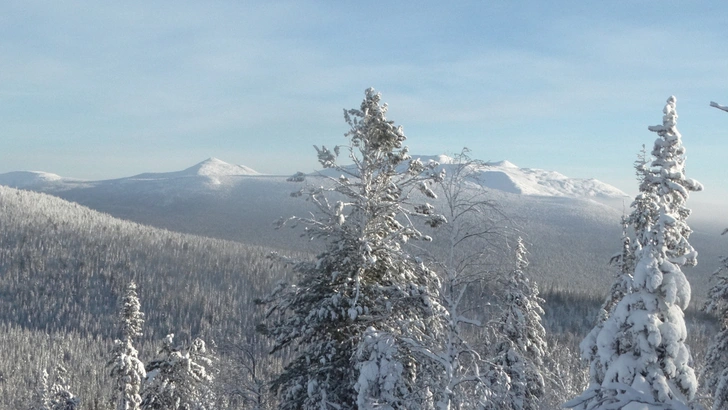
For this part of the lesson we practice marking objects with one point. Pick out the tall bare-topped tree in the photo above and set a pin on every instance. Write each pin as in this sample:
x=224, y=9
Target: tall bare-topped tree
x=471, y=239
x=641, y=346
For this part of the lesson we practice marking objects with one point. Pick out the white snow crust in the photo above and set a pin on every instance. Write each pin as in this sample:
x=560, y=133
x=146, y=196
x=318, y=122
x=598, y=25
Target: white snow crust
x=508, y=177
x=24, y=179
x=211, y=168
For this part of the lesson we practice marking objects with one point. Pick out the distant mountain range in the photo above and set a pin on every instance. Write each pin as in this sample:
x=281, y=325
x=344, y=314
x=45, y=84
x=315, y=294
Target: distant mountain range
x=572, y=224
x=502, y=176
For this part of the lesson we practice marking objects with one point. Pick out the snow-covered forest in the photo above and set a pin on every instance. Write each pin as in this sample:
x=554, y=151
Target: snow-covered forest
x=396, y=282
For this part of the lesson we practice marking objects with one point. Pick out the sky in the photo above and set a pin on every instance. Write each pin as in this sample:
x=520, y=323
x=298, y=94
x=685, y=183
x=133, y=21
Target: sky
x=99, y=90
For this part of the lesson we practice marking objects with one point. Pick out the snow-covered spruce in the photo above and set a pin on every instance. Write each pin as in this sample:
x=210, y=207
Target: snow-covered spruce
x=641, y=346
x=59, y=396
x=126, y=368
x=621, y=286
x=363, y=280
x=715, y=372
x=520, y=352
x=179, y=378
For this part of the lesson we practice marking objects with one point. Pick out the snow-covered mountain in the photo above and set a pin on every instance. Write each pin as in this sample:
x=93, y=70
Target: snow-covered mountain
x=502, y=176
x=208, y=173
x=211, y=168
x=508, y=177
x=576, y=219
x=29, y=179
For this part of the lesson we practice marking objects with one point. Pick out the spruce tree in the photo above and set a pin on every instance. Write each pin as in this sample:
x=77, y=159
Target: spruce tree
x=359, y=319
x=60, y=396
x=42, y=397
x=126, y=368
x=179, y=377
x=621, y=286
x=520, y=353
x=641, y=346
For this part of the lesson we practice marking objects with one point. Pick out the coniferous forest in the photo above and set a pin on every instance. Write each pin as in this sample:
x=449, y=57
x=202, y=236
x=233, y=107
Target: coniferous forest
x=406, y=287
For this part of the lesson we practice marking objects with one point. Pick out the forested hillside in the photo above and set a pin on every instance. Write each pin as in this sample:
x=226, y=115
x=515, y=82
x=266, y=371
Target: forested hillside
x=65, y=266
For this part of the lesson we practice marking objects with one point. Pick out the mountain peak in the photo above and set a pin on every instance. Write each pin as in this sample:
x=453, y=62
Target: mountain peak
x=503, y=164
x=25, y=179
x=213, y=167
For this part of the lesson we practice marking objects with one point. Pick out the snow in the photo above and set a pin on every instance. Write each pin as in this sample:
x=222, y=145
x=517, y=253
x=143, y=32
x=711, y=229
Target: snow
x=503, y=164
x=500, y=175
x=23, y=179
x=508, y=177
x=212, y=168
x=216, y=167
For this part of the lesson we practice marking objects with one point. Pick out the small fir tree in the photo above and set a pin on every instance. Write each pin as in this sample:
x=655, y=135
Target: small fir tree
x=126, y=368
x=641, y=346
x=179, y=378
x=60, y=396
x=42, y=396
x=520, y=353
x=365, y=303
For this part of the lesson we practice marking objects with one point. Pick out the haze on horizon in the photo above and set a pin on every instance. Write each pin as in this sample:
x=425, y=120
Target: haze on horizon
x=96, y=91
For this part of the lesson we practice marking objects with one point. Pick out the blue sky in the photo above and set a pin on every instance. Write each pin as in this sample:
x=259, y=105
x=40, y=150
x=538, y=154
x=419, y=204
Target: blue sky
x=99, y=90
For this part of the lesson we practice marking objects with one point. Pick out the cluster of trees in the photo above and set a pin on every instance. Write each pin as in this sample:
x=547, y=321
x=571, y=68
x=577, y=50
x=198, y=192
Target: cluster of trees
x=64, y=268
x=377, y=320
x=179, y=377
x=369, y=325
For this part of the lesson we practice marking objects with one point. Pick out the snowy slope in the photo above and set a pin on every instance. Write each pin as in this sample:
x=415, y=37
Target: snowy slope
x=200, y=177
x=23, y=179
x=211, y=168
x=508, y=177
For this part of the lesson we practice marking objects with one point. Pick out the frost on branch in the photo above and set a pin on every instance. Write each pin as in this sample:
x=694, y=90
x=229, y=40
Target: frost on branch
x=326, y=157
x=718, y=106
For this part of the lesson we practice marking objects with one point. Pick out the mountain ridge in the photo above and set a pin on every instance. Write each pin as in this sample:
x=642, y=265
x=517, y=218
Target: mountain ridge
x=211, y=168
x=212, y=172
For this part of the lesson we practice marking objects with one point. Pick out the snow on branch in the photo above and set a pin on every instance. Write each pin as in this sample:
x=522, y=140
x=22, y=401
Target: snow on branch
x=718, y=106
